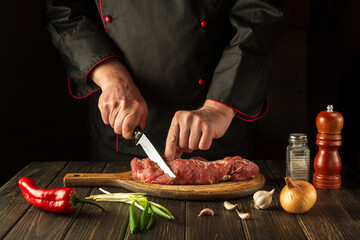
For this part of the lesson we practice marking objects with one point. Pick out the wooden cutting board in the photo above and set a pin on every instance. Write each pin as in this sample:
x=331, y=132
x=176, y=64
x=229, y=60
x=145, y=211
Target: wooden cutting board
x=217, y=191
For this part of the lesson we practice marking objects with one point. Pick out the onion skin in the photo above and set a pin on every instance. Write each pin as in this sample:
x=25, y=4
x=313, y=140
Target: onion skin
x=297, y=196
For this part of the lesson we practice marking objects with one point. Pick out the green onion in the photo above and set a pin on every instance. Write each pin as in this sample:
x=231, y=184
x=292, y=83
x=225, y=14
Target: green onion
x=144, y=216
x=151, y=221
x=160, y=212
x=133, y=218
x=136, y=200
x=163, y=209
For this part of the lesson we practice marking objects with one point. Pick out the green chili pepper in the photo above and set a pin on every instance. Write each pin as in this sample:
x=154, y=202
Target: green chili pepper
x=133, y=218
x=151, y=221
x=144, y=215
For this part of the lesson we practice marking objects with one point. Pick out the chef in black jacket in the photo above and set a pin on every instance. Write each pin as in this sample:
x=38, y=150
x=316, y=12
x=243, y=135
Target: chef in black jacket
x=196, y=73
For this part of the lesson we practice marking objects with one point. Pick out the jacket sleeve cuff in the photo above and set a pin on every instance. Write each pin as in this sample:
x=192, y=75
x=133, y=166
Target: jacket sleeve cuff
x=246, y=117
x=243, y=84
x=86, y=88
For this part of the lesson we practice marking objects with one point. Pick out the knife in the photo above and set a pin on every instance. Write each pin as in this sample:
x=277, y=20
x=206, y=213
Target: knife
x=150, y=150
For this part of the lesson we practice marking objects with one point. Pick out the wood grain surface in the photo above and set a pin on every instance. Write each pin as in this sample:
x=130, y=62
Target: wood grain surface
x=217, y=191
x=336, y=214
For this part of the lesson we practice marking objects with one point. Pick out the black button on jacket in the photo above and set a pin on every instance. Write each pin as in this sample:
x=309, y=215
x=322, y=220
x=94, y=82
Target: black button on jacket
x=179, y=53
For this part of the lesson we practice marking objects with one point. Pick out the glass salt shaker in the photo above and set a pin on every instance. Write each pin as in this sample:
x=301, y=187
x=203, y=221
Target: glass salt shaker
x=298, y=157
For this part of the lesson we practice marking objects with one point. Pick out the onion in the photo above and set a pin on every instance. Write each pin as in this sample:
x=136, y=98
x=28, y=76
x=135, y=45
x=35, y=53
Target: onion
x=297, y=196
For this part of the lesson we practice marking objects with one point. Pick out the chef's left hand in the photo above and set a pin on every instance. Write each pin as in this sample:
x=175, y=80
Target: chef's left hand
x=192, y=130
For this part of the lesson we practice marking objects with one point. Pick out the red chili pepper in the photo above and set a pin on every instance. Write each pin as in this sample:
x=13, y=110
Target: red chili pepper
x=59, y=200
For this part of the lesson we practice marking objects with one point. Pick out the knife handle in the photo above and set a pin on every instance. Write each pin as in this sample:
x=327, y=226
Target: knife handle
x=137, y=134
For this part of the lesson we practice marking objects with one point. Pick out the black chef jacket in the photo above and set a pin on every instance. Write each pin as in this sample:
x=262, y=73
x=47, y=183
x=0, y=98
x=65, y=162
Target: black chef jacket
x=179, y=53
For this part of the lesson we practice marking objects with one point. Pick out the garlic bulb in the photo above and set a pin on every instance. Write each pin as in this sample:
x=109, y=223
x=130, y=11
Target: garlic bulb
x=263, y=199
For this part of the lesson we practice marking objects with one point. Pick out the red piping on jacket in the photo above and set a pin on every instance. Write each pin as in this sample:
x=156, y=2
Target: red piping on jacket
x=97, y=64
x=82, y=96
x=102, y=17
x=86, y=78
x=247, y=120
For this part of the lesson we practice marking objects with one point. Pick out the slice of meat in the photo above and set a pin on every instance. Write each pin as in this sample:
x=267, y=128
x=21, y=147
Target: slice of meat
x=194, y=171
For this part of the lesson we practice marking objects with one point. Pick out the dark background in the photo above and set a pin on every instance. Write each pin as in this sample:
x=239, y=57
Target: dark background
x=318, y=64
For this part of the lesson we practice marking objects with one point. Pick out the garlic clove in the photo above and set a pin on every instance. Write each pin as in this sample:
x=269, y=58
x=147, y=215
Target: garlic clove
x=206, y=211
x=263, y=199
x=229, y=206
x=243, y=215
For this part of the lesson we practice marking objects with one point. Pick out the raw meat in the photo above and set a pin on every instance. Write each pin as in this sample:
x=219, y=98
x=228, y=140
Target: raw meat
x=194, y=171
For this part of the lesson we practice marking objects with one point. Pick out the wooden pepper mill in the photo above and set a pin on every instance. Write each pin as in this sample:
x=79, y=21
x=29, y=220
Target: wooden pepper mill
x=327, y=162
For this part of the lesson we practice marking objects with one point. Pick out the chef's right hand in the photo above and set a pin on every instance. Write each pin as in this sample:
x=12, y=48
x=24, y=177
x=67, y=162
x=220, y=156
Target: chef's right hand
x=121, y=103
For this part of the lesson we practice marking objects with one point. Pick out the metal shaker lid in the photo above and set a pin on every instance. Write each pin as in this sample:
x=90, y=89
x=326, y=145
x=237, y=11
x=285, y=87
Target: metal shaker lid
x=297, y=137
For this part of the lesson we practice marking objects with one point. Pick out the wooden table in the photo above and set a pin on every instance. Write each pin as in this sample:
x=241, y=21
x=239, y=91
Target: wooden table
x=336, y=214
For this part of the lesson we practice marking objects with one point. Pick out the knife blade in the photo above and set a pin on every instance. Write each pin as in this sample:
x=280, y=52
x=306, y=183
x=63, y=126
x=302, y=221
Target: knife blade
x=140, y=138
